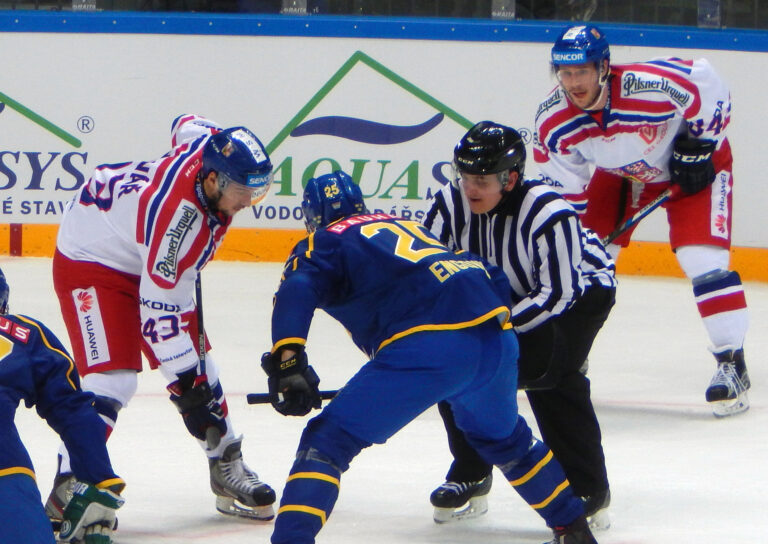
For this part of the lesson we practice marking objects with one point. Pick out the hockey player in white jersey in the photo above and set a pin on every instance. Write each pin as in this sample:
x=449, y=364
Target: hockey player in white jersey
x=612, y=138
x=129, y=250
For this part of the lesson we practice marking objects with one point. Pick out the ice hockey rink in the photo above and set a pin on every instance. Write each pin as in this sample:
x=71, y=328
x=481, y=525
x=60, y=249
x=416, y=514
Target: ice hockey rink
x=678, y=475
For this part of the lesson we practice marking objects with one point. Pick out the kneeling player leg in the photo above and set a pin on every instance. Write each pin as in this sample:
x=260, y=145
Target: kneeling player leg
x=21, y=511
x=310, y=493
x=113, y=390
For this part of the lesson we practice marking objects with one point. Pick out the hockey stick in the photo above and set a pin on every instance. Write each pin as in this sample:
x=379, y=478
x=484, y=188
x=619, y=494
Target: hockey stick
x=642, y=212
x=263, y=398
x=212, y=434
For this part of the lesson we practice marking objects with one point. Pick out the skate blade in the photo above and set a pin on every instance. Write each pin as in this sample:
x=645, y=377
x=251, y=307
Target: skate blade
x=229, y=507
x=600, y=520
x=731, y=407
x=476, y=507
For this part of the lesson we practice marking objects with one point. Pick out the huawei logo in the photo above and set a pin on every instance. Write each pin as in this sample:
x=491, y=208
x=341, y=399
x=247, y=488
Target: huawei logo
x=85, y=301
x=720, y=223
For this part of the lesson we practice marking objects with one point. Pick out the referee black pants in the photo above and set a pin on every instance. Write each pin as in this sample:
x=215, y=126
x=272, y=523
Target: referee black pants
x=551, y=360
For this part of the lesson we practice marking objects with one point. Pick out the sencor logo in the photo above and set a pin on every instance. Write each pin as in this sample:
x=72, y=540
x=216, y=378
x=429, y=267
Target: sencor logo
x=562, y=57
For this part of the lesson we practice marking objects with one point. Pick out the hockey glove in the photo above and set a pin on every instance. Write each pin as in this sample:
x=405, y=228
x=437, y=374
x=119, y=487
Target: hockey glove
x=293, y=384
x=691, y=166
x=90, y=515
x=198, y=407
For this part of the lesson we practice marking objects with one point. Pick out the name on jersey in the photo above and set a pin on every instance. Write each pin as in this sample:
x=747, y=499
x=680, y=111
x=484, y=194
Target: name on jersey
x=173, y=239
x=14, y=330
x=634, y=84
x=341, y=226
x=549, y=103
x=445, y=269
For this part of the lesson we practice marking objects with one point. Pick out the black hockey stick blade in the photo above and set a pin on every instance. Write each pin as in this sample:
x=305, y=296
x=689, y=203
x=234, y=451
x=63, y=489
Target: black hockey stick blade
x=263, y=398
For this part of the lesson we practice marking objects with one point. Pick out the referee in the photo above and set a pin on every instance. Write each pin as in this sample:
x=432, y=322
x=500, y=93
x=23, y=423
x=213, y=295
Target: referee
x=563, y=286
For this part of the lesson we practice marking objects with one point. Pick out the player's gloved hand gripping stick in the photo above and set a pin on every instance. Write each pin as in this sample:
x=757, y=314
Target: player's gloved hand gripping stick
x=690, y=169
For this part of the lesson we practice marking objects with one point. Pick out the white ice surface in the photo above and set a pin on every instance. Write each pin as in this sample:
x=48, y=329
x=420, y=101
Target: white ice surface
x=678, y=475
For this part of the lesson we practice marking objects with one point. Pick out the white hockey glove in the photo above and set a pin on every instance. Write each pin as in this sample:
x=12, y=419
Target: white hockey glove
x=90, y=515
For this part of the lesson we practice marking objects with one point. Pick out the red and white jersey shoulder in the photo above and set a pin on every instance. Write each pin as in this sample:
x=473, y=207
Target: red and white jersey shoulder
x=649, y=104
x=188, y=127
x=148, y=219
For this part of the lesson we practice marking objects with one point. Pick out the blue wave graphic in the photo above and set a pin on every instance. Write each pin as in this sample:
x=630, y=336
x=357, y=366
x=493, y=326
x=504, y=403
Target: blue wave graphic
x=368, y=132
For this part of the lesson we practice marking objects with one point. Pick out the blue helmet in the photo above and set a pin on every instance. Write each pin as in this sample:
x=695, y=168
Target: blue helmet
x=579, y=45
x=237, y=155
x=329, y=198
x=4, y=292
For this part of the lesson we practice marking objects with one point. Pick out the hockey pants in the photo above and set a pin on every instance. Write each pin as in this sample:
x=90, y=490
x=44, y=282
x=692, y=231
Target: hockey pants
x=564, y=411
x=471, y=369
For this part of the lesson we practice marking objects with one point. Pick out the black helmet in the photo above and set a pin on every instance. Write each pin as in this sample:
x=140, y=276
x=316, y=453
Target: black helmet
x=490, y=148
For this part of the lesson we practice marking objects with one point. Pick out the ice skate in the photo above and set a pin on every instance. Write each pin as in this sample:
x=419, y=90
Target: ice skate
x=239, y=492
x=61, y=494
x=727, y=392
x=455, y=501
x=576, y=532
x=596, y=510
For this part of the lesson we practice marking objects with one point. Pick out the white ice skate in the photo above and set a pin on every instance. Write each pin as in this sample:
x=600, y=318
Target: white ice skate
x=239, y=492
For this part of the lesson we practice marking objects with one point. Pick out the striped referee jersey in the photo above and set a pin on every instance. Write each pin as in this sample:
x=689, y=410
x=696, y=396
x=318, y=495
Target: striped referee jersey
x=536, y=238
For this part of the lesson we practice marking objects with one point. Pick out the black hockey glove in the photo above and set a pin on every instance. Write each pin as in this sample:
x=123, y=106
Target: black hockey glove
x=193, y=397
x=293, y=384
x=691, y=166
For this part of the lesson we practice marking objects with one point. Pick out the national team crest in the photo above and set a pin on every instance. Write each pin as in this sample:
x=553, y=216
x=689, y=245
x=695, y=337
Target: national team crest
x=648, y=133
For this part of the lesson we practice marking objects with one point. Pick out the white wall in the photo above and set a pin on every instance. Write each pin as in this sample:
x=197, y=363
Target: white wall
x=131, y=86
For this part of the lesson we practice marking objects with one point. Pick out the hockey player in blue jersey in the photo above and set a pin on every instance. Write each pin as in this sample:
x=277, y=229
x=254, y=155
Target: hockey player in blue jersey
x=35, y=368
x=435, y=326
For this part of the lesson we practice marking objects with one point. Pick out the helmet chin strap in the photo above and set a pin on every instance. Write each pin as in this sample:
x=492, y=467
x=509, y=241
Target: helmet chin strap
x=603, y=88
x=598, y=98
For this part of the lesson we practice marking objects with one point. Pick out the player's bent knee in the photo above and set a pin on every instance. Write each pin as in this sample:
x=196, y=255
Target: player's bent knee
x=119, y=385
x=499, y=452
x=330, y=440
x=699, y=260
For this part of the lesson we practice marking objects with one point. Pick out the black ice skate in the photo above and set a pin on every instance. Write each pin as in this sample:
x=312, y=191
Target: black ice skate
x=576, y=532
x=596, y=510
x=239, y=492
x=455, y=501
x=728, y=389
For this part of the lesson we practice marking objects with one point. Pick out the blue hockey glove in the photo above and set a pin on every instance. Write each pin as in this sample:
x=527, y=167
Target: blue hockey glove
x=293, y=384
x=90, y=516
x=691, y=166
x=193, y=398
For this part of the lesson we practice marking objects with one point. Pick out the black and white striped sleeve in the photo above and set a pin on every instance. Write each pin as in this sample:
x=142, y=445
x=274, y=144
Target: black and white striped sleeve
x=444, y=214
x=554, y=240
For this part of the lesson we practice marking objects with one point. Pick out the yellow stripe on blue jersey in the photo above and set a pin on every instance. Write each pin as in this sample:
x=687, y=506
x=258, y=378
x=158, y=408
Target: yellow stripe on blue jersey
x=17, y=470
x=501, y=312
x=71, y=368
